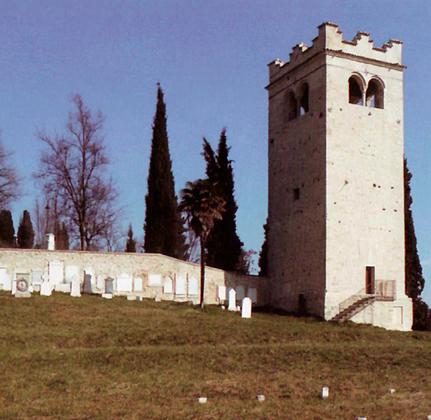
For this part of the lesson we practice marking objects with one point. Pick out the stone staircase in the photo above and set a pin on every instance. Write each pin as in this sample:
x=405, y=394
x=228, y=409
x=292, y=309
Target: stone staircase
x=354, y=308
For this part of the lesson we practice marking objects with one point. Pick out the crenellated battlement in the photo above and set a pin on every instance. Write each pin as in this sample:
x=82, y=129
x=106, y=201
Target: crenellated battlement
x=330, y=40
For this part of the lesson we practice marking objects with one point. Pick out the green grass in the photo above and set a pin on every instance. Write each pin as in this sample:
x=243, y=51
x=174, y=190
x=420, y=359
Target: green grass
x=82, y=358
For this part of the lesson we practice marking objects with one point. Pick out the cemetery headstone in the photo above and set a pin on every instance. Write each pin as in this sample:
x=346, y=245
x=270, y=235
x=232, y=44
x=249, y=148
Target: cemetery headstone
x=76, y=287
x=87, y=282
x=46, y=288
x=232, y=300
x=246, y=308
x=22, y=287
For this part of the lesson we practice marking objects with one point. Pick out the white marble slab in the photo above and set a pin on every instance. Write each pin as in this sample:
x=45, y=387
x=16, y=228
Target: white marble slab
x=246, y=308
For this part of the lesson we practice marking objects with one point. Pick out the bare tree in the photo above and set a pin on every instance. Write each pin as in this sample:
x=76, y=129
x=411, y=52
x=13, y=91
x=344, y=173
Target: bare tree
x=73, y=173
x=9, y=180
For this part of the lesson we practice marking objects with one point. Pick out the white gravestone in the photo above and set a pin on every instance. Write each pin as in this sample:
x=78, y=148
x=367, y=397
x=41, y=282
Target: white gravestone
x=168, y=288
x=246, y=308
x=137, y=284
x=221, y=293
x=55, y=272
x=240, y=294
x=5, y=282
x=124, y=283
x=232, y=300
x=252, y=294
x=76, y=287
x=193, y=287
x=46, y=288
x=154, y=280
x=180, y=286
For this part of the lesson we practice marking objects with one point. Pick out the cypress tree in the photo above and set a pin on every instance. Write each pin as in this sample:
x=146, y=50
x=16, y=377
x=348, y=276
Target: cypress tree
x=414, y=279
x=263, y=255
x=131, y=243
x=7, y=231
x=25, y=236
x=61, y=236
x=163, y=223
x=223, y=244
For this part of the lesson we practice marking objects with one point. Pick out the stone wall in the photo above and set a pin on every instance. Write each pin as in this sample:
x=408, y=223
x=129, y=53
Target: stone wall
x=146, y=275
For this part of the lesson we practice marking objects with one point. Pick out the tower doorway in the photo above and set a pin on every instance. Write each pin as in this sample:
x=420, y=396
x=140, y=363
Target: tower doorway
x=369, y=280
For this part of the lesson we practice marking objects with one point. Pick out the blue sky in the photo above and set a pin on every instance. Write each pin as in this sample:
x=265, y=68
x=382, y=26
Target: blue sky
x=210, y=57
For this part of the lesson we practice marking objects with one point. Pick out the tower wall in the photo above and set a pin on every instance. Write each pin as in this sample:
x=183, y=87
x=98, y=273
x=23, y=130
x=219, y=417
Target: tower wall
x=296, y=236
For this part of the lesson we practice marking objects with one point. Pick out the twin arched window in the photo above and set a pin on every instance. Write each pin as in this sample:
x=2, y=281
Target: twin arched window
x=372, y=96
x=300, y=106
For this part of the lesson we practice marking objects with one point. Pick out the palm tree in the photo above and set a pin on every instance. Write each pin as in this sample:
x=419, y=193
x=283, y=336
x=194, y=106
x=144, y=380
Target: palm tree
x=202, y=205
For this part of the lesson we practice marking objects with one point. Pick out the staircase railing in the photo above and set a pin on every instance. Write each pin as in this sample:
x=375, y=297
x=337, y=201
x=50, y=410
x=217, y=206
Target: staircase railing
x=351, y=300
x=383, y=290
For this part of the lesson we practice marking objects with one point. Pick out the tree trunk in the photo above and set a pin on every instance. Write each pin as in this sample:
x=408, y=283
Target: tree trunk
x=202, y=272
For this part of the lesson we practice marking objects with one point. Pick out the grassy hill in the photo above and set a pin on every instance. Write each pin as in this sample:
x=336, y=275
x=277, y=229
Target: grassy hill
x=82, y=358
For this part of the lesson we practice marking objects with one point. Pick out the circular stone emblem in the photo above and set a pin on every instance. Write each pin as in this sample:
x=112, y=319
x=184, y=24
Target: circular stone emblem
x=21, y=285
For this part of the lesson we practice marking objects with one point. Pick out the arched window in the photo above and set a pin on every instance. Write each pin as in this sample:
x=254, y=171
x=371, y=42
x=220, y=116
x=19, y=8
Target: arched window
x=304, y=99
x=374, y=94
x=356, y=95
x=292, y=107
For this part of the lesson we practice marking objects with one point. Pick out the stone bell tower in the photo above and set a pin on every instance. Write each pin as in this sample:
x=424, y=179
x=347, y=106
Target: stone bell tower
x=336, y=198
